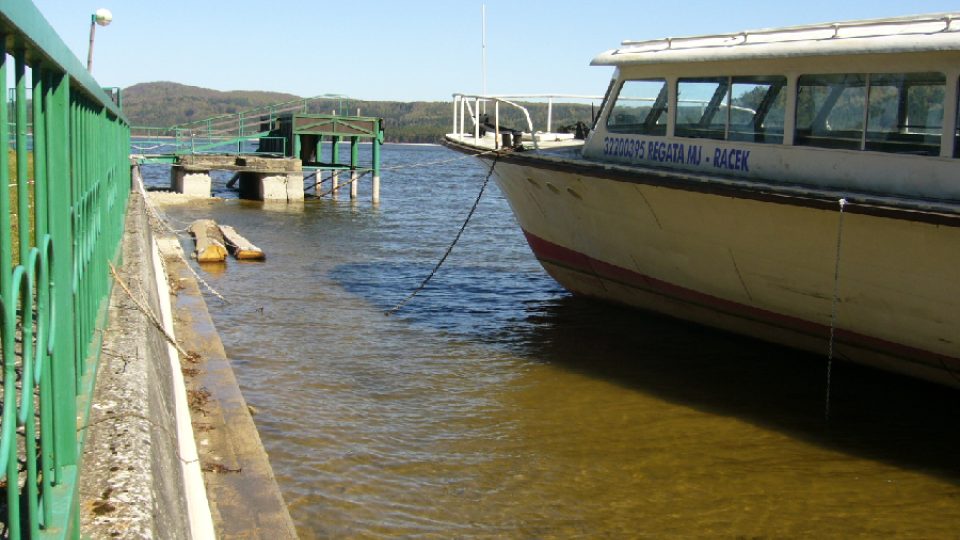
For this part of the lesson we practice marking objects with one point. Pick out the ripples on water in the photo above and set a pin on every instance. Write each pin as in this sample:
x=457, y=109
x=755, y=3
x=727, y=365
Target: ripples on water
x=495, y=404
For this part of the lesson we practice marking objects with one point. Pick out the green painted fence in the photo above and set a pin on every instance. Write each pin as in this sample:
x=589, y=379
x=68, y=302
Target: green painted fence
x=53, y=288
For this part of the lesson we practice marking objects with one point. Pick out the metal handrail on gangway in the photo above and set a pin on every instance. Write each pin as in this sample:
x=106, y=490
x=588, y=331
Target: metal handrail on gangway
x=223, y=133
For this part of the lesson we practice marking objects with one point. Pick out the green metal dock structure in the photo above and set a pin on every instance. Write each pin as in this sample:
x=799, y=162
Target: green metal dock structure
x=60, y=227
x=268, y=147
x=303, y=135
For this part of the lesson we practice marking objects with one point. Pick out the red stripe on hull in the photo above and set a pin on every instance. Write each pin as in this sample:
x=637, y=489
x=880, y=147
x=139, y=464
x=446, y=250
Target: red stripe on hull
x=549, y=252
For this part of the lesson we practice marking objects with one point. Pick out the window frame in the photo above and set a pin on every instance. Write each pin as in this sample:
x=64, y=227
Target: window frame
x=721, y=103
x=650, y=124
x=817, y=133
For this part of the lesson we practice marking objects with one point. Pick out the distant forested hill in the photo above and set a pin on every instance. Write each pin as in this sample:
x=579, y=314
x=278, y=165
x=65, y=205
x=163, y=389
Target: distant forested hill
x=165, y=104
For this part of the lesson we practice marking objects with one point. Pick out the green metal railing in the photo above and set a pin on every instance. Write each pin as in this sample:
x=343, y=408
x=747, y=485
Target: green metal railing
x=162, y=145
x=53, y=289
x=251, y=122
x=234, y=133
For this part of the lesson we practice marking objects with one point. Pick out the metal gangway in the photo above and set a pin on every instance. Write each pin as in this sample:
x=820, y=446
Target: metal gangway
x=251, y=131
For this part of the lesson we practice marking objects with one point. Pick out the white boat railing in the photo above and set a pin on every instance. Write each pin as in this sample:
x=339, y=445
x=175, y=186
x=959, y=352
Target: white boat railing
x=936, y=23
x=474, y=105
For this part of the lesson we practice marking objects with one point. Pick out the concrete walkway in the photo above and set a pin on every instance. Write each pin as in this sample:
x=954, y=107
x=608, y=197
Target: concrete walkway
x=245, y=499
x=136, y=469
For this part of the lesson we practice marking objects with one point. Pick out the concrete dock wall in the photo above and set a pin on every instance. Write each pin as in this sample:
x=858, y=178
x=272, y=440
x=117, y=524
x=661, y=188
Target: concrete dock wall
x=131, y=483
x=140, y=478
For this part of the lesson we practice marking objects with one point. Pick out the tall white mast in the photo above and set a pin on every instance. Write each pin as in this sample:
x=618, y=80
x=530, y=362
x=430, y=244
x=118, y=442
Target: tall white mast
x=483, y=49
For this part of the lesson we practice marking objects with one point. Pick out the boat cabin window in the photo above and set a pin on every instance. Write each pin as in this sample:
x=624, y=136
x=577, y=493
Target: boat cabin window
x=702, y=107
x=640, y=107
x=890, y=112
x=731, y=108
x=758, y=107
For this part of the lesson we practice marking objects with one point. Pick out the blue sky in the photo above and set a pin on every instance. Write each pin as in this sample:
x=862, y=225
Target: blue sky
x=407, y=51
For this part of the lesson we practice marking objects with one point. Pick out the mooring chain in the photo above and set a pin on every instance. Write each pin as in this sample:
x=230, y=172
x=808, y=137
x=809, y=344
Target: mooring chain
x=151, y=316
x=155, y=212
x=439, y=162
x=456, y=238
x=163, y=222
x=833, y=309
x=152, y=209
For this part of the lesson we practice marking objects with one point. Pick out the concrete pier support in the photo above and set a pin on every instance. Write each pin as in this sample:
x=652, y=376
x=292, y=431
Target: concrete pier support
x=260, y=178
x=282, y=187
x=194, y=183
x=272, y=186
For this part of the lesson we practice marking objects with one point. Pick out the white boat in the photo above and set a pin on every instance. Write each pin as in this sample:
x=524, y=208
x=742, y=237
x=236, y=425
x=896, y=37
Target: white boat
x=800, y=185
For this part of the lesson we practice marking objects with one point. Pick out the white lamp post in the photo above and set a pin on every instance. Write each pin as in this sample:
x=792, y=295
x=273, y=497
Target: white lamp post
x=102, y=17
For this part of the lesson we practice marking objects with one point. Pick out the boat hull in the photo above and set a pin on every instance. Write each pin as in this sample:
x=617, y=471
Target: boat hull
x=749, y=260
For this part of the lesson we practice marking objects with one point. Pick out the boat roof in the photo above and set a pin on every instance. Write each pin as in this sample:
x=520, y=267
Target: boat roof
x=915, y=33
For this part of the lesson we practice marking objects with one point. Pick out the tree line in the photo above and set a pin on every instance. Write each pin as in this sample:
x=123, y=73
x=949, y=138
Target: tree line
x=166, y=104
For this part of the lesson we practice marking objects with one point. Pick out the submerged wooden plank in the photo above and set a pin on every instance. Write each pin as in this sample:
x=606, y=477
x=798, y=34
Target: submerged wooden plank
x=240, y=247
x=208, y=241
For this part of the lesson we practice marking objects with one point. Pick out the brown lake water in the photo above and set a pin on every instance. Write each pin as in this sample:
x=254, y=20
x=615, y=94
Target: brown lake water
x=495, y=404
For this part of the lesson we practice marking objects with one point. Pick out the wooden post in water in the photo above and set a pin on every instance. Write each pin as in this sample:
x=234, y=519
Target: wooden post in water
x=354, y=177
x=317, y=187
x=334, y=159
x=375, y=151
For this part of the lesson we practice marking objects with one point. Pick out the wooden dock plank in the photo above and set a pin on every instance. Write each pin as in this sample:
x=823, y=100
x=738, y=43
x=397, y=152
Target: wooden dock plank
x=240, y=247
x=208, y=241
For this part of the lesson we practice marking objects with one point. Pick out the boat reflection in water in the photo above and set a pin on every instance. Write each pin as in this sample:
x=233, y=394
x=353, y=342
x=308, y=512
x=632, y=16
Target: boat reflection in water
x=876, y=414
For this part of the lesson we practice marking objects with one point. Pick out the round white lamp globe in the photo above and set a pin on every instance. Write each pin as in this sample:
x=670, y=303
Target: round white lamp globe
x=103, y=16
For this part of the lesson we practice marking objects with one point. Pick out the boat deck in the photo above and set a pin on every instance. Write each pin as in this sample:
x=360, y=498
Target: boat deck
x=544, y=142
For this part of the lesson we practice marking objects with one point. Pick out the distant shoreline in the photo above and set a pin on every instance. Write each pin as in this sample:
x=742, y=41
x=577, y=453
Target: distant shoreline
x=414, y=143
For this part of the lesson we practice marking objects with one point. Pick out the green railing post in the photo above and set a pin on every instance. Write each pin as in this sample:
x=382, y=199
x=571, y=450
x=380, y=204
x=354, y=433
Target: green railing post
x=23, y=195
x=39, y=155
x=61, y=226
x=41, y=240
x=354, y=152
x=335, y=150
x=7, y=313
